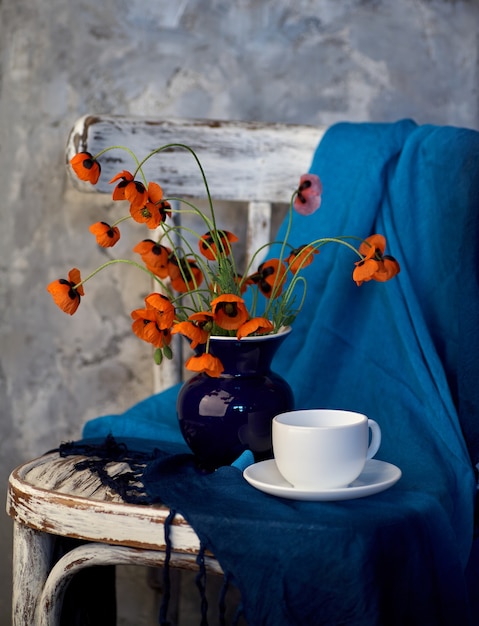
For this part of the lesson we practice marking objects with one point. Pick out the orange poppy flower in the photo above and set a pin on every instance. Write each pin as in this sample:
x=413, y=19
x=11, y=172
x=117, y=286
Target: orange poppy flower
x=270, y=277
x=208, y=247
x=154, y=256
x=145, y=326
x=301, y=257
x=129, y=189
x=230, y=311
x=86, y=167
x=308, y=194
x=136, y=194
x=185, y=274
x=364, y=271
x=206, y=363
x=388, y=268
x=106, y=235
x=202, y=318
x=191, y=331
x=165, y=311
x=258, y=325
x=148, y=212
x=125, y=177
x=375, y=265
x=164, y=207
x=65, y=294
x=374, y=245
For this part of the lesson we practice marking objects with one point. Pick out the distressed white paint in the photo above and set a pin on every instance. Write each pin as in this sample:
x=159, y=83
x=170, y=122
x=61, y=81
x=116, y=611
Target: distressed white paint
x=243, y=161
x=47, y=612
x=49, y=494
x=259, y=218
x=48, y=497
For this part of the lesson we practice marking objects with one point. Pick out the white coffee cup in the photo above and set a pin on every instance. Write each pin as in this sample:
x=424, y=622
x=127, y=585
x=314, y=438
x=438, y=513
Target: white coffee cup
x=317, y=449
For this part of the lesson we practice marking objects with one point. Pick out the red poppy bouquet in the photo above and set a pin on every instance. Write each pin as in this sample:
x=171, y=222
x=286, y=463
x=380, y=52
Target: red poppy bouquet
x=201, y=291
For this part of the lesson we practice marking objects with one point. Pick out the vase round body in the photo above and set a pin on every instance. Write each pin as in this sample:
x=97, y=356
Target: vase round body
x=221, y=417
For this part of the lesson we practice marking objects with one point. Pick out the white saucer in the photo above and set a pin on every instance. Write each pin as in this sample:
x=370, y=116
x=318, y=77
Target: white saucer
x=376, y=476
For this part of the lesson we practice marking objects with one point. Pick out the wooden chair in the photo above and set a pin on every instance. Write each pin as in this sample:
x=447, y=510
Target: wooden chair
x=48, y=498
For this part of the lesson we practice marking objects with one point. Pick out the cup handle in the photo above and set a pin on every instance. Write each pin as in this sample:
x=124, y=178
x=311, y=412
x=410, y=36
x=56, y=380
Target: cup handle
x=375, y=438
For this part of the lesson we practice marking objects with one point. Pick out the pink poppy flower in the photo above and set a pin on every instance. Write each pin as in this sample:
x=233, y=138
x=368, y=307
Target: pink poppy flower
x=308, y=194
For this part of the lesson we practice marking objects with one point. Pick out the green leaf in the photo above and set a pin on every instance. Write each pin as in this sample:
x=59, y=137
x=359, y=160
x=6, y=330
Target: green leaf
x=167, y=352
x=158, y=356
x=289, y=320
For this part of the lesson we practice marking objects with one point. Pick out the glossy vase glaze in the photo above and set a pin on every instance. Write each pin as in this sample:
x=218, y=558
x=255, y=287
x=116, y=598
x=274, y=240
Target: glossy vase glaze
x=221, y=417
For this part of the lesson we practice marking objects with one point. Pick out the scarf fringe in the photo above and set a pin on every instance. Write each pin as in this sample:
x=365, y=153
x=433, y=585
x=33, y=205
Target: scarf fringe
x=129, y=486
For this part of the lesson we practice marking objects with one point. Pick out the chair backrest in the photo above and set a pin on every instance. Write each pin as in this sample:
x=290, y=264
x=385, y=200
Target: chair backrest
x=257, y=164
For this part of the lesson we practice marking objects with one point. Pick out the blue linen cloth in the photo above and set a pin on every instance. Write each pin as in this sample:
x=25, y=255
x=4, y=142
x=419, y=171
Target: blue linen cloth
x=405, y=354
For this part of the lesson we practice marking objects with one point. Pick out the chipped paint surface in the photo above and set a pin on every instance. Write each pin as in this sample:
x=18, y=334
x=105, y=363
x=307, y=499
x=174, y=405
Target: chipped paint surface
x=307, y=62
x=49, y=497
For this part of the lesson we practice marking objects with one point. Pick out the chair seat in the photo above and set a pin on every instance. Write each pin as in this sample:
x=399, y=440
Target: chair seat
x=50, y=498
x=50, y=495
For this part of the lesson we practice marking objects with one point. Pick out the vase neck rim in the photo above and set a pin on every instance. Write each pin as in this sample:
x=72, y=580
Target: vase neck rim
x=283, y=332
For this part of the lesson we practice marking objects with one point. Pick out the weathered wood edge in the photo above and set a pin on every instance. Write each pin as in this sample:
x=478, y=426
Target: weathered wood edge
x=262, y=160
x=138, y=526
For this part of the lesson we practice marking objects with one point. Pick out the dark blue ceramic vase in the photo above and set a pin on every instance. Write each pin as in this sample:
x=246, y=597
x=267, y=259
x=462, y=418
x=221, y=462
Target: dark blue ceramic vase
x=221, y=417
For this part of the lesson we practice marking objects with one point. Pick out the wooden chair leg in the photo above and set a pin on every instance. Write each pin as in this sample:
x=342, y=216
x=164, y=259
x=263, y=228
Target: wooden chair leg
x=49, y=605
x=32, y=555
x=41, y=574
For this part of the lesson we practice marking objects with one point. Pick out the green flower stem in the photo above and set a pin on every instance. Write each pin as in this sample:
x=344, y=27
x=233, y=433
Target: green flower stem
x=284, y=307
x=224, y=248
x=198, y=162
x=226, y=267
x=254, y=304
x=175, y=249
x=128, y=262
x=130, y=152
x=277, y=284
x=207, y=345
x=194, y=211
x=122, y=219
x=318, y=243
x=342, y=240
x=289, y=224
x=283, y=243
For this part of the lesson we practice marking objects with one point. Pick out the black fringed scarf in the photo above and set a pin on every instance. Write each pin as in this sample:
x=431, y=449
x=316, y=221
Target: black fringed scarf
x=138, y=455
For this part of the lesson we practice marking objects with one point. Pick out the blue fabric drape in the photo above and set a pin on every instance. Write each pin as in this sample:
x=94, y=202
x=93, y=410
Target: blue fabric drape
x=402, y=352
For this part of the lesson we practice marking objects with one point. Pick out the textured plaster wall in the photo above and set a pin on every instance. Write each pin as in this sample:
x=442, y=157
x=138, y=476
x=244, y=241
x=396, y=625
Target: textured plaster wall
x=311, y=61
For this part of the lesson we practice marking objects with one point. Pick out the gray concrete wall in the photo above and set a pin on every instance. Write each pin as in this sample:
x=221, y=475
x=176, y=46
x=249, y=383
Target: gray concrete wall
x=311, y=61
